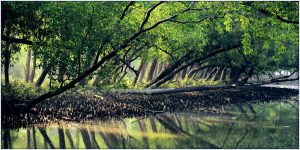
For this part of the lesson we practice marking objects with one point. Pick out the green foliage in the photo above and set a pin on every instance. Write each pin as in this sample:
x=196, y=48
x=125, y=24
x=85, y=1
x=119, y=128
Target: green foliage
x=68, y=35
x=247, y=43
x=20, y=89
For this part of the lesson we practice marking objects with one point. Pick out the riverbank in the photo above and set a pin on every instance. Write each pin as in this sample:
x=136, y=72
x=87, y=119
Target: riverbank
x=80, y=107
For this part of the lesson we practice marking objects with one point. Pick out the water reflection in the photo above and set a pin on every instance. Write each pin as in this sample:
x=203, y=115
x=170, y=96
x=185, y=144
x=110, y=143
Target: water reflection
x=269, y=125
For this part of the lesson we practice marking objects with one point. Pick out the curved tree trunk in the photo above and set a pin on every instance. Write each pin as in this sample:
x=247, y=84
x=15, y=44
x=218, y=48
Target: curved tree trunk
x=168, y=76
x=168, y=69
x=42, y=76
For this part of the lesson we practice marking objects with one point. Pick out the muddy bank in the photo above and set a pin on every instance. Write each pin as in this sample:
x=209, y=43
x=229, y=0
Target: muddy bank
x=80, y=107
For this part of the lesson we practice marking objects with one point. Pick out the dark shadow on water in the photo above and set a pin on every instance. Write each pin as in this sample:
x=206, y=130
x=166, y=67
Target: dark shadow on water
x=262, y=125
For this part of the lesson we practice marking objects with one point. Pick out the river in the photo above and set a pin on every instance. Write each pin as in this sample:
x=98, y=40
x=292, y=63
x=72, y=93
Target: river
x=260, y=125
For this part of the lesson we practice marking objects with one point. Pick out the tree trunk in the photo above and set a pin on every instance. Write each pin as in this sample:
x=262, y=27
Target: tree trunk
x=61, y=75
x=104, y=59
x=169, y=69
x=169, y=76
x=191, y=72
x=223, y=74
x=42, y=77
x=33, y=67
x=236, y=73
x=218, y=74
x=176, y=76
x=206, y=73
x=183, y=73
x=211, y=74
x=7, y=140
x=151, y=70
x=196, y=75
x=27, y=67
x=249, y=75
x=142, y=73
x=158, y=69
x=6, y=65
x=178, y=121
x=6, y=54
x=137, y=76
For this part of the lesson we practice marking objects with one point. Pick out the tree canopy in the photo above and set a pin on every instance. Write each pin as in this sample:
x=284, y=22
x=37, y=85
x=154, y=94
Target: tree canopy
x=112, y=43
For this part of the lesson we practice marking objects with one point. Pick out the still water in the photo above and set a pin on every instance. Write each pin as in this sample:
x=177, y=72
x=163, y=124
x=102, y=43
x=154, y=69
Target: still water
x=264, y=125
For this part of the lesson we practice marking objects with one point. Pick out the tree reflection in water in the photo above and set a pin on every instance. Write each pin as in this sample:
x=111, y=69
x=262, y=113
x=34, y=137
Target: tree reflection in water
x=272, y=125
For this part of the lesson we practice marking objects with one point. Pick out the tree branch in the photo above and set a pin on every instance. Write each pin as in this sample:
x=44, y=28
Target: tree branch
x=284, y=77
x=128, y=65
x=126, y=9
x=148, y=15
x=15, y=40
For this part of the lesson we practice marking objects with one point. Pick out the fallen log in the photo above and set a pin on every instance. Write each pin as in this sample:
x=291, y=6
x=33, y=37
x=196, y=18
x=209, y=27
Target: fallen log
x=172, y=90
x=198, y=88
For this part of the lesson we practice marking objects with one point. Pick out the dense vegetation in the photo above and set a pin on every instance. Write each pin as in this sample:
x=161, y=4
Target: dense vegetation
x=146, y=44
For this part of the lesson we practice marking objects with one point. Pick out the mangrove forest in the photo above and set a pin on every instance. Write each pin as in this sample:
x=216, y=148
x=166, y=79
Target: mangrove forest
x=149, y=74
